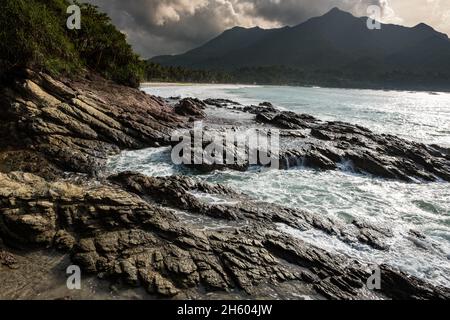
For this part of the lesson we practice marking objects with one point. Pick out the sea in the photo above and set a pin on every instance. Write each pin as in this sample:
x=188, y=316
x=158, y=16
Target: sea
x=424, y=207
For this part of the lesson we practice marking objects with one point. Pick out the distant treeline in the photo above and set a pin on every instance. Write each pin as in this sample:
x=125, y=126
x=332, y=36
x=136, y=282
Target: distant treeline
x=281, y=75
x=157, y=72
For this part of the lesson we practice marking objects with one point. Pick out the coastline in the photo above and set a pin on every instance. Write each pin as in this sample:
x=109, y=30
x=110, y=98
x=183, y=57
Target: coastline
x=301, y=163
x=431, y=90
x=149, y=232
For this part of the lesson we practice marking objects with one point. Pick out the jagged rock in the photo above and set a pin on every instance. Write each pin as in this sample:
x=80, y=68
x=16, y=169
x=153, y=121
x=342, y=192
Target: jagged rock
x=221, y=103
x=119, y=234
x=29, y=161
x=402, y=286
x=206, y=156
x=191, y=107
x=134, y=228
x=307, y=141
x=7, y=259
x=185, y=193
x=64, y=241
x=50, y=125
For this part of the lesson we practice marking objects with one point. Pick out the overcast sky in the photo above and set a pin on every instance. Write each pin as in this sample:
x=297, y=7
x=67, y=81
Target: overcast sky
x=156, y=27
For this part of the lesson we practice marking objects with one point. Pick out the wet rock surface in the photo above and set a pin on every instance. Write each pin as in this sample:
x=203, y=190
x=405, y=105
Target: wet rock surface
x=221, y=103
x=188, y=194
x=49, y=126
x=191, y=107
x=129, y=235
x=179, y=237
x=386, y=156
x=307, y=141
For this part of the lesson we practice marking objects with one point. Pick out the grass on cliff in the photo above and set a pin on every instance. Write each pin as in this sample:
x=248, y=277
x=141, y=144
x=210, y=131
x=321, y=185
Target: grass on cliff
x=33, y=34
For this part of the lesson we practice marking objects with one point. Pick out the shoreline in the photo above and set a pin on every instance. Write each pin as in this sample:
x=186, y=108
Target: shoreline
x=198, y=84
x=149, y=232
x=194, y=84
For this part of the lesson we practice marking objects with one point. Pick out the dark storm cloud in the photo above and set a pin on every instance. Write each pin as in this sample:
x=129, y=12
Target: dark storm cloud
x=157, y=27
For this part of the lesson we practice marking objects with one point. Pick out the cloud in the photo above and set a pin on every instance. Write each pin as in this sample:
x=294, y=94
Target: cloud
x=157, y=27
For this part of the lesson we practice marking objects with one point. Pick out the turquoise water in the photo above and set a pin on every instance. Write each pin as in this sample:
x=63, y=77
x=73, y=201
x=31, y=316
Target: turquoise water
x=423, y=117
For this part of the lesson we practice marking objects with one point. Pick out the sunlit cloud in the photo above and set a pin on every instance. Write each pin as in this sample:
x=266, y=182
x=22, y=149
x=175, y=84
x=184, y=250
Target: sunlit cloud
x=157, y=27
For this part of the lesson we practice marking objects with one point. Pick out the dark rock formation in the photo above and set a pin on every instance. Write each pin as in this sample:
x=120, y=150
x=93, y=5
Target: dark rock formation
x=221, y=103
x=48, y=126
x=178, y=236
x=330, y=144
x=119, y=235
x=7, y=259
x=262, y=107
x=191, y=107
x=206, y=156
x=307, y=141
x=180, y=192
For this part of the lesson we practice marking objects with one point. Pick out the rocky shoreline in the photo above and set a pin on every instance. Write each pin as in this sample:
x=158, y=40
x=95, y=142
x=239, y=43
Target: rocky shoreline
x=310, y=142
x=57, y=134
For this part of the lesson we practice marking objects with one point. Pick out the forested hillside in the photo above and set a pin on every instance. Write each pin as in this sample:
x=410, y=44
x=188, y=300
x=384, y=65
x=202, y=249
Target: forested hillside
x=33, y=34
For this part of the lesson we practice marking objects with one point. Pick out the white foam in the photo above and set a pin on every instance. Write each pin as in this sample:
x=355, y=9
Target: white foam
x=342, y=195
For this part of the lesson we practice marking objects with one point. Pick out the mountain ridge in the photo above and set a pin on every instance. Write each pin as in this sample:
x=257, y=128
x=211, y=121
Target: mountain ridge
x=333, y=13
x=336, y=41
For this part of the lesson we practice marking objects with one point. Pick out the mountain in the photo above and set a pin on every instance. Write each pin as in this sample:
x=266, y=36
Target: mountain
x=336, y=43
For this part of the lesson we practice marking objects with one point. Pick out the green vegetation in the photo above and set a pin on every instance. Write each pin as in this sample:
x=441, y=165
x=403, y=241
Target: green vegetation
x=157, y=72
x=33, y=34
x=350, y=77
x=334, y=50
